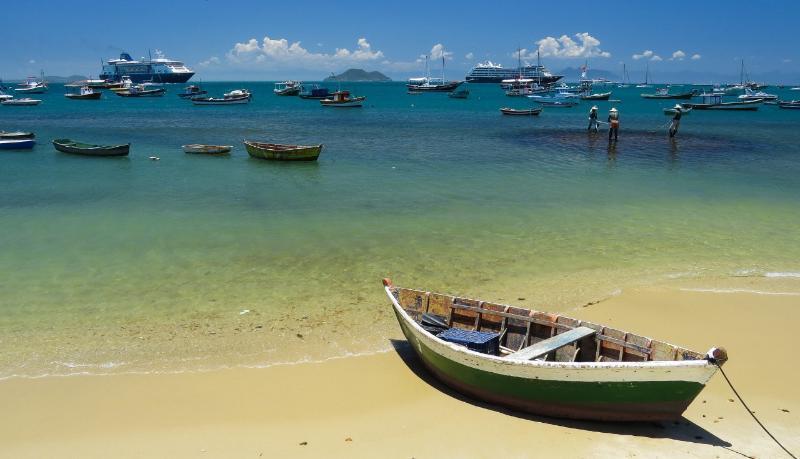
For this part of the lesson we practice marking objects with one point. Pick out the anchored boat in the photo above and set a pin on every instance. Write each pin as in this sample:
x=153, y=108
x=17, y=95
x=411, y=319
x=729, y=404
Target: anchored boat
x=16, y=144
x=663, y=93
x=87, y=149
x=517, y=112
x=22, y=102
x=207, y=149
x=16, y=135
x=549, y=364
x=287, y=88
x=86, y=93
x=714, y=102
x=281, y=152
x=342, y=99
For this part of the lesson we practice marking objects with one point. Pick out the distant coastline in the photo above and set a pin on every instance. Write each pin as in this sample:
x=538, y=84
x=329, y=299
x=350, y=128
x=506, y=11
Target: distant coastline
x=358, y=75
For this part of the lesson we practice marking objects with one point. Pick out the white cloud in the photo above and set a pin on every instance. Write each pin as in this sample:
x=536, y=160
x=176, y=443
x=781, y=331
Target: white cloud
x=32, y=61
x=280, y=51
x=647, y=54
x=213, y=60
x=677, y=56
x=469, y=56
x=696, y=57
x=438, y=52
x=567, y=48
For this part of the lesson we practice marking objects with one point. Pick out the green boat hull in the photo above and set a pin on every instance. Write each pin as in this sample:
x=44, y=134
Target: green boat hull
x=587, y=400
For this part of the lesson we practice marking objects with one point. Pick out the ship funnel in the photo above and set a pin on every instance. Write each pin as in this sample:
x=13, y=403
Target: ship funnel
x=125, y=57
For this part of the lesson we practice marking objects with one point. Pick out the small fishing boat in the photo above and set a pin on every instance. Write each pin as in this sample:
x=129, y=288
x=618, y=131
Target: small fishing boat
x=192, y=91
x=791, y=104
x=663, y=93
x=518, y=112
x=714, y=102
x=287, y=88
x=25, y=101
x=16, y=144
x=207, y=149
x=86, y=149
x=316, y=92
x=16, y=135
x=140, y=91
x=279, y=152
x=32, y=85
x=235, y=97
x=86, y=93
x=672, y=111
x=123, y=84
x=342, y=99
x=549, y=364
x=459, y=94
x=597, y=96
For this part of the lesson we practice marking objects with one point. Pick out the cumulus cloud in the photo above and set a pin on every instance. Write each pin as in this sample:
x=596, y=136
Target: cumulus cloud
x=647, y=54
x=469, y=56
x=281, y=51
x=696, y=57
x=677, y=56
x=438, y=52
x=213, y=60
x=583, y=46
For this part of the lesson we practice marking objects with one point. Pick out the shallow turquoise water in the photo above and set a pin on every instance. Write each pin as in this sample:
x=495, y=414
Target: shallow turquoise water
x=192, y=261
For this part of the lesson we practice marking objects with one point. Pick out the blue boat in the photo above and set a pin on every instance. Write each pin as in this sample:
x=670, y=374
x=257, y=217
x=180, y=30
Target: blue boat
x=17, y=144
x=316, y=92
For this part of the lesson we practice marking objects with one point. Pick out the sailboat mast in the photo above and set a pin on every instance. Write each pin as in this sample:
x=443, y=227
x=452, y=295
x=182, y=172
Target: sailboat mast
x=539, y=66
x=442, y=67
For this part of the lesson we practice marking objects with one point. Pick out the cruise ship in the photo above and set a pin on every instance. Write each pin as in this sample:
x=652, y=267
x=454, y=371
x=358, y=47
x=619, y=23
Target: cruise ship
x=489, y=72
x=159, y=69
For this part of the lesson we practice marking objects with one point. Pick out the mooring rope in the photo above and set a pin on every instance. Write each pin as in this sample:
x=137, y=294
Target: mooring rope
x=751, y=412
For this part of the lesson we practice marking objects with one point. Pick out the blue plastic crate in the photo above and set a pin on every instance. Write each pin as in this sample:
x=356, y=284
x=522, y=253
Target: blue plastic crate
x=485, y=342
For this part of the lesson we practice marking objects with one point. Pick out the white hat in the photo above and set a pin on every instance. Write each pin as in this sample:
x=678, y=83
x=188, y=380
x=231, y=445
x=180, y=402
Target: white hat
x=678, y=107
x=613, y=109
x=594, y=107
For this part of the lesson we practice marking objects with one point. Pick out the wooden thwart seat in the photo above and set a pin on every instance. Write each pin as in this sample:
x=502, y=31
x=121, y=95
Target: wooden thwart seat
x=549, y=345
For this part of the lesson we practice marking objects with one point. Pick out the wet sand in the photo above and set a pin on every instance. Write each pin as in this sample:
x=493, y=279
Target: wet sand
x=385, y=405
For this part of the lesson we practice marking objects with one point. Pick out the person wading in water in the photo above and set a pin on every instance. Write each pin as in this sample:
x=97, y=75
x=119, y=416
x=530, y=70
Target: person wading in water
x=593, y=123
x=613, y=124
x=676, y=121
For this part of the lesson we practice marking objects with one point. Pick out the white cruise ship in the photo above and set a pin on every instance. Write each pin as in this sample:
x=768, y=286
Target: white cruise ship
x=158, y=69
x=489, y=72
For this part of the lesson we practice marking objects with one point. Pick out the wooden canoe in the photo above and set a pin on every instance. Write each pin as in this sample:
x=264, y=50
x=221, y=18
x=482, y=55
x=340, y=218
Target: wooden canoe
x=207, y=149
x=280, y=152
x=548, y=364
x=516, y=112
x=86, y=149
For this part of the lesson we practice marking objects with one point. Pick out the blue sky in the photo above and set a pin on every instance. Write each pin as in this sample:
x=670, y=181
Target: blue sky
x=309, y=39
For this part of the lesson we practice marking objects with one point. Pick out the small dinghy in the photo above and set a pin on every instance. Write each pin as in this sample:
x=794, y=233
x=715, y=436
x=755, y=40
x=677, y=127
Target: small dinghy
x=558, y=103
x=549, y=364
x=16, y=144
x=517, y=112
x=87, y=149
x=597, y=96
x=16, y=135
x=21, y=102
x=200, y=149
x=140, y=91
x=280, y=152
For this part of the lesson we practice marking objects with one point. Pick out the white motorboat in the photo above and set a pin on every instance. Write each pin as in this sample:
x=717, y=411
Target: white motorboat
x=21, y=102
x=32, y=85
x=749, y=94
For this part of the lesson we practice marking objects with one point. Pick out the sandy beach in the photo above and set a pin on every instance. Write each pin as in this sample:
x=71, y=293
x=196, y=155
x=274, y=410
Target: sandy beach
x=386, y=405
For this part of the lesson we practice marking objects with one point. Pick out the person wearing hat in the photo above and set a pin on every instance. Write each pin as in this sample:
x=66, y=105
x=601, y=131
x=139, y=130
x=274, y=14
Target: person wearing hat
x=676, y=121
x=613, y=124
x=593, y=123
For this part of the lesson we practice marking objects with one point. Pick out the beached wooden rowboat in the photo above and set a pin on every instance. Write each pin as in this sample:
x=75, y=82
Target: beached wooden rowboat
x=86, y=149
x=516, y=112
x=207, y=149
x=548, y=364
x=281, y=152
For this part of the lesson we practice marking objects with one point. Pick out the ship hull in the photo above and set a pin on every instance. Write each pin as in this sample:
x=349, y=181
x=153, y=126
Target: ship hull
x=182, y=77
x=499, y=79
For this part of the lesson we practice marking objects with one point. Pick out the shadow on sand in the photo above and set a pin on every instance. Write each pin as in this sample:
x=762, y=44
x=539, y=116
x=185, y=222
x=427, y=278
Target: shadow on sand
x=681, y=430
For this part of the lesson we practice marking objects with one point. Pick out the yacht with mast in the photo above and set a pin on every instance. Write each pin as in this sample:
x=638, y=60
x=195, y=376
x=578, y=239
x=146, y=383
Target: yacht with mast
x=646, y=83
x=428, y=84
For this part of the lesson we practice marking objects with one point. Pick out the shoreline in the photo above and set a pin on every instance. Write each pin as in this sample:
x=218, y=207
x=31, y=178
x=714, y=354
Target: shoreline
x=388, y=406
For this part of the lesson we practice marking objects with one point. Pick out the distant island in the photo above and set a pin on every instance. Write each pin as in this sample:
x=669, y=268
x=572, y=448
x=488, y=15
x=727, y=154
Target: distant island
x=358, y=75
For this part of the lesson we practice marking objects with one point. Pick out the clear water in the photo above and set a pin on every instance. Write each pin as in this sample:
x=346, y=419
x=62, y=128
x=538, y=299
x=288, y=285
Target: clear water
x=191, y=262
